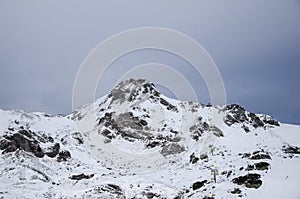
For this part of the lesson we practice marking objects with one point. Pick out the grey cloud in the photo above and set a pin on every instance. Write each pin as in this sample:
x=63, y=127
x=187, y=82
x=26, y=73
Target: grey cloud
x=255, y=44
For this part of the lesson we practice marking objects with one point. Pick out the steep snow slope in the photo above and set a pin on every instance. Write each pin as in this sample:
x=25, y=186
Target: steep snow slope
x=137, y=143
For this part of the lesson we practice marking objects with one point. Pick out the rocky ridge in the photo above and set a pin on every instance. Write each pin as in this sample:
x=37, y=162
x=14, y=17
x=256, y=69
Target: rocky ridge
x=69, y=156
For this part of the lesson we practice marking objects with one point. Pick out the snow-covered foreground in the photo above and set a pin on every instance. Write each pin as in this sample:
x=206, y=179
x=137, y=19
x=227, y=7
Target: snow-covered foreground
x=137, y=143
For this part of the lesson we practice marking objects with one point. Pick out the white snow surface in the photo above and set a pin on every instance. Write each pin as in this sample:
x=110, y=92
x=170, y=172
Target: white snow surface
x=139, y=171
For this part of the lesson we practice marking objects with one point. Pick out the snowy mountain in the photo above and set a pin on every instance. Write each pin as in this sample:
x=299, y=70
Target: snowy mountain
x=136, y=143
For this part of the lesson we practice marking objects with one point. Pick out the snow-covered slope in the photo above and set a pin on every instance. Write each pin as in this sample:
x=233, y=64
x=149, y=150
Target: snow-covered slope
x=137, y=143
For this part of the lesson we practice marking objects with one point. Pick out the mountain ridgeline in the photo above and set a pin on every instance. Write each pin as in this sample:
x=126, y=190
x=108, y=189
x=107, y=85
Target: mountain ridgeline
x=137, y=143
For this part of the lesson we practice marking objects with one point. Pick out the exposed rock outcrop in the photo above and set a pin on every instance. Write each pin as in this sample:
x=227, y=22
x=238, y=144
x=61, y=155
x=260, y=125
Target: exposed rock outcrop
x=251, y=180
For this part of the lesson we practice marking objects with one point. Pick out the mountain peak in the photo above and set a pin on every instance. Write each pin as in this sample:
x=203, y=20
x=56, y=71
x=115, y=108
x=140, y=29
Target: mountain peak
x=133, y=89
x=137, y=143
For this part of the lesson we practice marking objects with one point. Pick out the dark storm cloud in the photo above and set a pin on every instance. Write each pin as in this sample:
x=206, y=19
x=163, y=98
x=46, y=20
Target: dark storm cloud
x=255, y=44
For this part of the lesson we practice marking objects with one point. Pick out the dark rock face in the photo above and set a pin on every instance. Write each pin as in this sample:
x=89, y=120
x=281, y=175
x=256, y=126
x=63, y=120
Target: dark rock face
x=106, y=118
x=250, y=180
x=133, y=128
x=194, y=159
x=258, y=166
x=235, y=114
x=216, y=131
x=118, y=124
x=291, y=149
x=81, y=176
x=77, y=136
x=29, y=141
x=53, y=151
x=203, y=156
x=153, y=144
x=128, y=120
x=250, y=168
x=20, y=141
x=113, y=190
x=107, y=133
x=271, y=121
x=143, y=122
x=134, y=90
x=262, y=166
x=200, y=128
x=178, y=197
x=151, y=195
x=255, y=121
x=236, y=191
x=198, y=185
x=63, y=156
x=197, y=130
x=257, y=155
x=172, y=148
x=114, y=187
x=227, y=173
x=246, y=128
x=168, y=105
x=131, y=90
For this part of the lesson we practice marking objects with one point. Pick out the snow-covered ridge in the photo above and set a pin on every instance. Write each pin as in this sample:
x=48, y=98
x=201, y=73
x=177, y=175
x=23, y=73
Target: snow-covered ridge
x=137, y=143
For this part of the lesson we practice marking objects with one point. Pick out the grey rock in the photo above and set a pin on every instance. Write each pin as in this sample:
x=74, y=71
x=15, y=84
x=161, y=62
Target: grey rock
x=172, y=149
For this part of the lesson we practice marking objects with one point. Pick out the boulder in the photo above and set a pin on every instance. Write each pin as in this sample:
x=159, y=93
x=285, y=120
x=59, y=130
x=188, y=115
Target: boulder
x=81, y=176
x=251, y=180
x=198, y=185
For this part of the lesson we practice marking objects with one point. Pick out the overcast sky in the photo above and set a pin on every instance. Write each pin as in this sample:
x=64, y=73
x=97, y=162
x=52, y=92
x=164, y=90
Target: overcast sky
x=255, y=44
